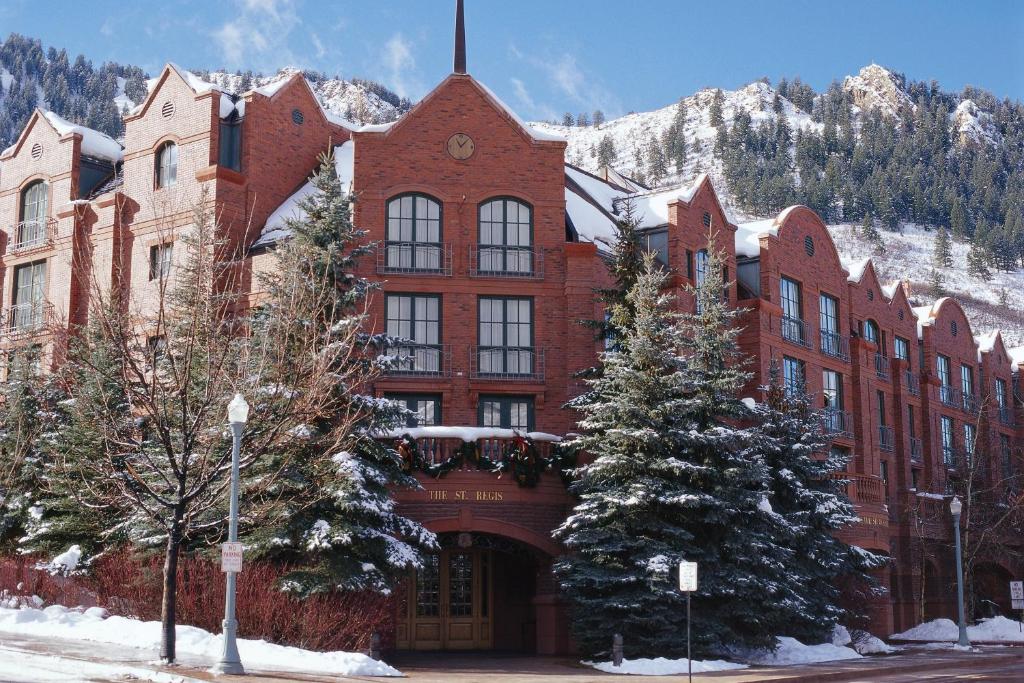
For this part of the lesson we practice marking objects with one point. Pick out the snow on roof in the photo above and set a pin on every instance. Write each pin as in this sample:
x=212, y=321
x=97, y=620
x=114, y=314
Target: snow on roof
x=651, y=208
x=926, y=315
x=271, y=88
x=94, y=143
x=599, y=190
x=592, y=224
x=1016, y=357
x=986, y=342
x=748, y=236
x=533, y=132
x=890, y=289
x=195, y=82
x=376, y=127
x=855, y=267
x=276, y=226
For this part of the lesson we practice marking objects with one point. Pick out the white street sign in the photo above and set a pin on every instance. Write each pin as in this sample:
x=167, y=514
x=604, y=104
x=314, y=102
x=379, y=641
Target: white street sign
x=231, y=557
x=687, y=576
x=1017, y=590
x=1017, y=604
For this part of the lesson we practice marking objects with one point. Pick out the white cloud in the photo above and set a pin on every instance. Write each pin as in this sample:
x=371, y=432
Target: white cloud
x=568, y=80
x=257, y=36
x=528, y=104
x=400, y=64
x=321, y=51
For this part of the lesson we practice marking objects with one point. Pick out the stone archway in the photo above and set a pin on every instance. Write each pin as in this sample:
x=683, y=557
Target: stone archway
x=990, y=590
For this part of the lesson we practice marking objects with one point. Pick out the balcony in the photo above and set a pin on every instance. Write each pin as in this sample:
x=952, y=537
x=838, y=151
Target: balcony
x=881, y=366
x=886, y=440
x=435, y=450
x=1006, y=415
x=415, y=258
x=950, y=457
x=421, y=360
x=507, y=363
x=794, y=330
x=949, y=396
x=22, y=321
x=521, y=263
x=912, y=382
x=916, y=452
x=835, y=345
x=861, y=488
x=31, y=235
x=969, y=402
x=837, y=422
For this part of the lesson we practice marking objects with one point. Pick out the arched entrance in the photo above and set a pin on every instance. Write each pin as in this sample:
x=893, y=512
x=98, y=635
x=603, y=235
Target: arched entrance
x=991, y=591
x=477, y=593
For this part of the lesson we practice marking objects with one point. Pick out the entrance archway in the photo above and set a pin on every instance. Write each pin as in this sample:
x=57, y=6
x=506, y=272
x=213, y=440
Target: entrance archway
x=991, y=588
x=477, y=593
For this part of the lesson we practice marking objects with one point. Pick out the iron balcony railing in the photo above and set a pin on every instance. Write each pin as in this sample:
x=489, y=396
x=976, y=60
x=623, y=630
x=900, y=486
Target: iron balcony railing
x=881, y=366
x=886, y=440
x=913, y=383
x=27, y=320
x=916, y=454
x=837, y=422
x=795, y=330
x=487, y=260
x=949, y=395
x=510, y=363
x=969, y=402
x=31, y=235
x=1006, y=415
x=950, y=456
x=835, y=345
x=420, y=360
x=420, y=258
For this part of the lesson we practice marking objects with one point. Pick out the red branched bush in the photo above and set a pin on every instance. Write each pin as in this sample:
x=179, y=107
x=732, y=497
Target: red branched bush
x=130, y=585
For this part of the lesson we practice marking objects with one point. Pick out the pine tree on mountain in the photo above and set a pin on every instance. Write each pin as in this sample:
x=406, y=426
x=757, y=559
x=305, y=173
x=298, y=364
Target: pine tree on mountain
x=598, y=118
x=582, y=120
x=657, y=168
x=606, y=153
x=942, y=250
x=979, y=255
x=807, y=506
x=870, y=232
x=671, y=479
x=567, y=120
x=715, y=111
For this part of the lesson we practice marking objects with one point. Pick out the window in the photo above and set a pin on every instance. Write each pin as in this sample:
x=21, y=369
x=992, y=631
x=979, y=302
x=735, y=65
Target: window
x=831, y=341
x=507, y=412
x=413, y=240
x=506, y=237
x=425, y=409
x=160, y=258
x=942, y=367
x=702, y=266
x=880, y=401
x=32, y=229
x=870, y=328
x=967, y=380
x=689, y=265
x=506, y=336
x=28, y=312
x=656, y=243
x=884, y=473
x=913, y=479
x=902, y=348
x=948, y=454
x=1000, y=393
x=793, y=375
x=832, y=389
x=706, y=219
x=970, y=434
x=416, y=320
x=167, y=165
x=230, y=155
x=792, y=311
x=911, y=422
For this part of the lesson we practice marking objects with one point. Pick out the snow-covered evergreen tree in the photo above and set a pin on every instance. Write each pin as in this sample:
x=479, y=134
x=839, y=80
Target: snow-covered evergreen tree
x=672, y=478
x=338, y=521
x=806, y=505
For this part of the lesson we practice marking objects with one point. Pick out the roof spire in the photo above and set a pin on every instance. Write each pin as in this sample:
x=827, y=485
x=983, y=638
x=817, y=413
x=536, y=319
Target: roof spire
x=460, y=39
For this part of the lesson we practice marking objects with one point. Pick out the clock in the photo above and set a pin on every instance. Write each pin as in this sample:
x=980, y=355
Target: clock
x=461, y=146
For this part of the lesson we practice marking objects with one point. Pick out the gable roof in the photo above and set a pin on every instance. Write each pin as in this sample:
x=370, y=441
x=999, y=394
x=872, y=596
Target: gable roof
x=94, y=143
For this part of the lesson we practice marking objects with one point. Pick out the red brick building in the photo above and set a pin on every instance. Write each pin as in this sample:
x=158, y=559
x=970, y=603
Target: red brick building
x=489, y=250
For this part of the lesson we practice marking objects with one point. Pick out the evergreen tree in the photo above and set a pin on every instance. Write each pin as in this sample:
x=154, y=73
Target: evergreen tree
x=567, y=120
x=942, y=251
x=806, y=504
x=715, y=112
x=606, y=154
x=656, y=166
x=671, y=479
x=870, y=232
x=979, y=254
x=582, y=120
x=598, y=118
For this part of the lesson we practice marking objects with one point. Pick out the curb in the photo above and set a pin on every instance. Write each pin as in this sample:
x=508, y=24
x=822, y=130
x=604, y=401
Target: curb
x=860, y=673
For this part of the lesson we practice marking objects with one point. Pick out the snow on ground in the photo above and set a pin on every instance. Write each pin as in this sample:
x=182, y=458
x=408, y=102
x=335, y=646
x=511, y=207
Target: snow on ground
x=908, y=254
x=93, y=624
x=861, y=641
x=792, y=651
x=994, y=630
x=21, y=666
x=660, y=666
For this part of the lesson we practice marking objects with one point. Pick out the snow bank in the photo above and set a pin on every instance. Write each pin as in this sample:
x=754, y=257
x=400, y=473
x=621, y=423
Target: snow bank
x=661, y=666
x=93, y=625
x=792, y=651
x=996, y=629
x=67, y=561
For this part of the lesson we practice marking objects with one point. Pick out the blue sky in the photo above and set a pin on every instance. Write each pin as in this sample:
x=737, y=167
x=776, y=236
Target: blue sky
x=545, y=57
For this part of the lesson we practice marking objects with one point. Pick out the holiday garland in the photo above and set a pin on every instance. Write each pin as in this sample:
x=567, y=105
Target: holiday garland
x=520, y=457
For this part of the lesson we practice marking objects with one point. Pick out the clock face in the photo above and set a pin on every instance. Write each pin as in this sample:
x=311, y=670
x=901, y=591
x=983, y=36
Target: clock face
x=461, y=146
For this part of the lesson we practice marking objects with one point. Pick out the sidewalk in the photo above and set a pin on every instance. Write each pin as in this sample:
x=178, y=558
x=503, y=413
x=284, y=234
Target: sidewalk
x=32, y=659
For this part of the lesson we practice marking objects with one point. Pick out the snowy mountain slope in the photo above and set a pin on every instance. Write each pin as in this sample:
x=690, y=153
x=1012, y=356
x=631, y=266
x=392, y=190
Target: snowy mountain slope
x=875, y=87
x=908, y=255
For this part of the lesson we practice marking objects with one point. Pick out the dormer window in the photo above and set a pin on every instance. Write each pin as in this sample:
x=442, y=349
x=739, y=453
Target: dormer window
x=231, y=143
x=167, y=165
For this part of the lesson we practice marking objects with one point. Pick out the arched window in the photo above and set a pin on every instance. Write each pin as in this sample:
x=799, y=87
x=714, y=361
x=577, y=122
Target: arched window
x=871, y=331
x=413, y=240
x=167, y=165
x=32, y=225
x=506, y=237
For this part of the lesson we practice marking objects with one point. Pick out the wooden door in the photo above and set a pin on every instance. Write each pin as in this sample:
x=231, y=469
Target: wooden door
x=449, y=605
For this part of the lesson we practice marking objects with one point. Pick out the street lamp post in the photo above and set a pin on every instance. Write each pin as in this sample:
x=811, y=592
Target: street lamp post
x=230, y=662
x=955, y=506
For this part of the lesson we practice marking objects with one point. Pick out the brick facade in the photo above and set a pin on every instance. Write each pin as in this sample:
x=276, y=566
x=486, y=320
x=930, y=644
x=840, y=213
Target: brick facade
x=891, y=407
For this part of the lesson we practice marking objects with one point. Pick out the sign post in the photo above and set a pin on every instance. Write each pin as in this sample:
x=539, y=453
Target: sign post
x=1017, y=599
x=688, y=584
